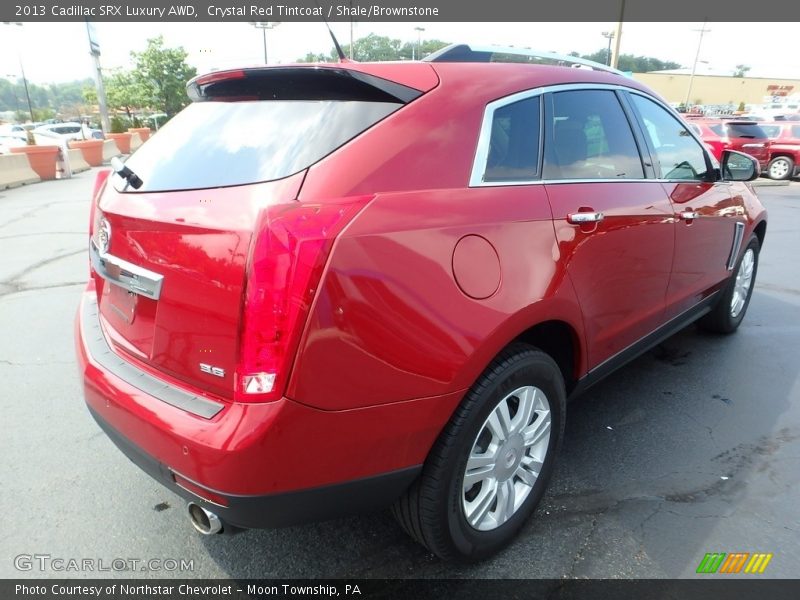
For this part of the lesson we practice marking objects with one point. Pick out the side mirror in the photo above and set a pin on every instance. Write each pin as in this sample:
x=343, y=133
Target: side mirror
x=738, y=166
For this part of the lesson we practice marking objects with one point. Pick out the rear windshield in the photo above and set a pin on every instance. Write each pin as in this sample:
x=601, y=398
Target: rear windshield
x=218, y=144
x=745, y=130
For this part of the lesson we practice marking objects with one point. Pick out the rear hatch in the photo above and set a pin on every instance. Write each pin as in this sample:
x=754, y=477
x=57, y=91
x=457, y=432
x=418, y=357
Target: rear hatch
x=172, y=257
x=748, y=137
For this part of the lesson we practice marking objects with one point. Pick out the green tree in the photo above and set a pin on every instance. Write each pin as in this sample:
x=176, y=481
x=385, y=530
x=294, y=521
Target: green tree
x=426, y=47
x=629, y=62
x=125, y=92
x=312, y=57
x=376, y=48
x=162, y=74
x=741, y=71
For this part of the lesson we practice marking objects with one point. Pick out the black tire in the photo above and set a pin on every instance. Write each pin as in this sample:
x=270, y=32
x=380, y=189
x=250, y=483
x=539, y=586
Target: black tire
x=722, y=319
x=431, y=511
x=784, y=167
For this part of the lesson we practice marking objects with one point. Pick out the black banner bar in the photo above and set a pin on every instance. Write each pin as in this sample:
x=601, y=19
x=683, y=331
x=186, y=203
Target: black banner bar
x=707, y=588
x=401, y=10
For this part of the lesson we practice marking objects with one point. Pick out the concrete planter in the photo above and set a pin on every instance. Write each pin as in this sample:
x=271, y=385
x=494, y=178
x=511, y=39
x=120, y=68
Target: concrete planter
x=42, y=159
x=123, y=141
x=92, y=150
x=144, y=132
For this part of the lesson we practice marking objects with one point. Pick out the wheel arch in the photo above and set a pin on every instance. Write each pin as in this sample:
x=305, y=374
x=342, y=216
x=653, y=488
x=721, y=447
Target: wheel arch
x=761, y=232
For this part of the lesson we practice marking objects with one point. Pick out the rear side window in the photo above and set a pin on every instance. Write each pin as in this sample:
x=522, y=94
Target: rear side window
x=745, y=130
x=589, y=138
x=718, y=129
x=514, y=142
x=796, y=131
x=772, y=131
x=679, y=155
x=217, y=144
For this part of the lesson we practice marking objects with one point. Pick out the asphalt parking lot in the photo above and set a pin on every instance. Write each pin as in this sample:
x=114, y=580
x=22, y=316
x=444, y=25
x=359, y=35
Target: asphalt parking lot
x=692, y=448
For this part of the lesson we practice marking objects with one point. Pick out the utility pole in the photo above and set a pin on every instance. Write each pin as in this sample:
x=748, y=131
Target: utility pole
x=702, y=31
x=609, y=35
x=94, y=50
x=24, y=79
x=618, y=35
x=263, y=26
x=418, y=56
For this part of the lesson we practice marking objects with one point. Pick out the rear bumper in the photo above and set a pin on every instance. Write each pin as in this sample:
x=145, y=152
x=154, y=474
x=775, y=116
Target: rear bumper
x=264, y=465
x=277, y=510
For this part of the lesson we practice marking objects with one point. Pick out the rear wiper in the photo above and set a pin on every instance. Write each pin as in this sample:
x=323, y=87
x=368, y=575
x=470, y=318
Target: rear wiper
x=125, y=172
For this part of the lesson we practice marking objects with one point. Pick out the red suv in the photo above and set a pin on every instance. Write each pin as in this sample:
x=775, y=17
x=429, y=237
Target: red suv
x=744, y=136
x=322, y=289
x=784, y=148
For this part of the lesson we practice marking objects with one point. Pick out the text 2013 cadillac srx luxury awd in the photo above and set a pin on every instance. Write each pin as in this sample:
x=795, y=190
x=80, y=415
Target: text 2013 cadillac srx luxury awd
x=322, y=289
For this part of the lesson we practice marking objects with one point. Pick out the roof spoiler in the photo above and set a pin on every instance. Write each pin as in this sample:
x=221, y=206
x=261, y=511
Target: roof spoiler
x=297, y=83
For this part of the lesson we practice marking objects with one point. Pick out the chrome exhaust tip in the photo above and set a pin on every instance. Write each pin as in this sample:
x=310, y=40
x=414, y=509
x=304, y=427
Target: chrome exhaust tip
x=204, y=520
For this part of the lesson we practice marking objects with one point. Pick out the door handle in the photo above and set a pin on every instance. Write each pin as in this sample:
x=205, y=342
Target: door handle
x=689, y=215
x=585, y=217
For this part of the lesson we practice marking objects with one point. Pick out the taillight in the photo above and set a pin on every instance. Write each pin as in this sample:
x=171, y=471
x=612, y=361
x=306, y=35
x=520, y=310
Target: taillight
x=284, y=269
x=94, y=213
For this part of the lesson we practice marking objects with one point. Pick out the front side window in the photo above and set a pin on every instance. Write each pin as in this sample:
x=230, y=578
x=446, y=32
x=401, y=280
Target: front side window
x=677, y=153
x=514, y=142
x=589, y=138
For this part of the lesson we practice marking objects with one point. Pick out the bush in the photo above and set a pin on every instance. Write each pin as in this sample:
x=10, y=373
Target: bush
x=117, y=125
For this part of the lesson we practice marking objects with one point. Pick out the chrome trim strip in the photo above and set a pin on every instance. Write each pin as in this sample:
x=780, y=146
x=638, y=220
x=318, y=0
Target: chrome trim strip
x=103, y=355
x=482, y=148
x=124, y=274
x=738, y=236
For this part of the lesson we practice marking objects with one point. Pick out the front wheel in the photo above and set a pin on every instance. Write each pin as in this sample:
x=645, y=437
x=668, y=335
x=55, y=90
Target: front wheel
x=732, y=305
x=491, y=464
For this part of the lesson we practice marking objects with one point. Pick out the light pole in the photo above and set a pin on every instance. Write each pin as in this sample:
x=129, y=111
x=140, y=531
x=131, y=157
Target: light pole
x=263, y=26
x=22, y=70
x=702, y=31
x=609, y=35
x=418, y=56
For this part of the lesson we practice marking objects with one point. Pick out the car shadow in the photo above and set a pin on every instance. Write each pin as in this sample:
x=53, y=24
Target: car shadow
x=653, y=457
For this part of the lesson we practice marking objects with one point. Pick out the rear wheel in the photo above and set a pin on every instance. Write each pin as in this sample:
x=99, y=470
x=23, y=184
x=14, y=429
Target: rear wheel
x=780, y=167
x=491, y=464
x=729, y=311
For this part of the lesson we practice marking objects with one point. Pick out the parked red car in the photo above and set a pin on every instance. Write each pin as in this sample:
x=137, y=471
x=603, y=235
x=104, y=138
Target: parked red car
x=322, y=289
x=732, y=134
x=784, y=149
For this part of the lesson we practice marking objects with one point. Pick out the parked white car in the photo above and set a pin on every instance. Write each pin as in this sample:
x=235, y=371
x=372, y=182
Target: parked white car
x=69, y=131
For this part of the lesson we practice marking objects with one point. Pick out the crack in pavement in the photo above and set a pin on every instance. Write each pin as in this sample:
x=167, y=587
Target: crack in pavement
x=19, y=288
x=29, y=213
x=35, y=233
x=11, y=281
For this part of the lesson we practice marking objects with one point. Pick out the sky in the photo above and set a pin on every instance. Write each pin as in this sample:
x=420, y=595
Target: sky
x=57, y=52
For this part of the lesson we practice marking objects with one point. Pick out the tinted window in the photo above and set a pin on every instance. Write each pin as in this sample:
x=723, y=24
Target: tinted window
x=718, y=129
x=514, y=142
x=678, y=154
x=745, y=130
x=590, y=138
x=215, y=144
x=772, y=131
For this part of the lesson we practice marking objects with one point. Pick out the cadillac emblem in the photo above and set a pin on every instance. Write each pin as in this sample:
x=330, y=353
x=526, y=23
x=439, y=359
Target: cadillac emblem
x=103, y=236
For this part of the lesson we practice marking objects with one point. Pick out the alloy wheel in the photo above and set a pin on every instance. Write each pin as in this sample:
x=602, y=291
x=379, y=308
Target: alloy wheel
x=506, y=458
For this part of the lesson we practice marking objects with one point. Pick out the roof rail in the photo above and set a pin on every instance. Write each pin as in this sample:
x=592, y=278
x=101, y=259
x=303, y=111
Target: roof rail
x=484, y=53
